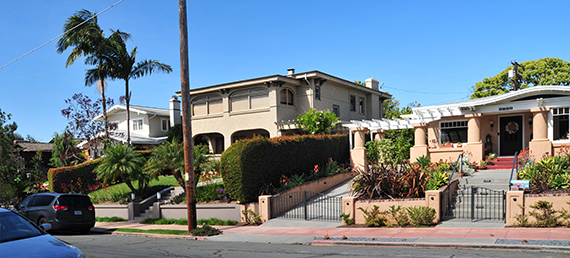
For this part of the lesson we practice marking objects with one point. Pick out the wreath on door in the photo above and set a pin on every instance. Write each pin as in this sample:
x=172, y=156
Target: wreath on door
x=512, y=127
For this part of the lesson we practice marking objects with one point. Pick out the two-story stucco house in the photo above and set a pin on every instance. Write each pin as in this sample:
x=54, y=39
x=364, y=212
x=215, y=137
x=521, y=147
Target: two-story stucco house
x=269, y=105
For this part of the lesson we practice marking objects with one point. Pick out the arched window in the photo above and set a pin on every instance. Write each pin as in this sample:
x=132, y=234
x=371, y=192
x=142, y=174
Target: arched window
x=205, y=105
x=249, y=99
x=286, y=97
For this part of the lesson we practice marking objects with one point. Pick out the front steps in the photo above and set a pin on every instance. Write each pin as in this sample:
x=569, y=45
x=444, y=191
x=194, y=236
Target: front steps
x=502, y=163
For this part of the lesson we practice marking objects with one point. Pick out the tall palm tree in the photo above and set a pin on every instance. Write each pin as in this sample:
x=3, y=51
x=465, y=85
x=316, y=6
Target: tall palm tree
x=120, y=64
x=120, y=161
x=87, y=39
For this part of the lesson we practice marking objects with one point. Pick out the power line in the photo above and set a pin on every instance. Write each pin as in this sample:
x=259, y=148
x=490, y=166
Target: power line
x=33, y=50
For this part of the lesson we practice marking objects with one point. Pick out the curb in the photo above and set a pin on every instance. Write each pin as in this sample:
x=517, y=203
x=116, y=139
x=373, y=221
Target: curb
x=163, y=236
x=535, y=248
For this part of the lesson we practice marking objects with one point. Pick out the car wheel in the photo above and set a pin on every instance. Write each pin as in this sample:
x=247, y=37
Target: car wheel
x=84, y=231
x=42, y=220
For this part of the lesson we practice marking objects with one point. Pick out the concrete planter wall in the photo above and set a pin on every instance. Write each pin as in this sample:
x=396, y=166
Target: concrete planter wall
x=121, y=211
x=516, y=198
x=203, y=211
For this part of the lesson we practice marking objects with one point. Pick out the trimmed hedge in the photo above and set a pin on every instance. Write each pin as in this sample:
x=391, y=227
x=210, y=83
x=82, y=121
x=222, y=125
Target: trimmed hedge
x=250, y=165
x=76, y=179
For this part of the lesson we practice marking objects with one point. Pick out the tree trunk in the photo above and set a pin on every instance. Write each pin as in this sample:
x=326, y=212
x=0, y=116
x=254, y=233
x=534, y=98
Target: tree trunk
x=127, y=99
x=179, y=179
x=129, y=184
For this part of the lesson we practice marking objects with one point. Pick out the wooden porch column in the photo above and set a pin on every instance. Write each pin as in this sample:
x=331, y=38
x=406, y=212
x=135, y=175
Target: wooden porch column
x=420, y=147
x=540, y=144
x=358, y=153
x=474, y=147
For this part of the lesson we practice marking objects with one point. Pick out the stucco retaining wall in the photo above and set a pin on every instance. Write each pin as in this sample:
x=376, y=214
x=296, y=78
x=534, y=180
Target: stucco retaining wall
x=516, y=198
x=112, y=211
x=203, y=211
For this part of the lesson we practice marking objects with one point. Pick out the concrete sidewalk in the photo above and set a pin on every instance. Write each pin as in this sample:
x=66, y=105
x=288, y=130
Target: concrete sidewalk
x=538, y=239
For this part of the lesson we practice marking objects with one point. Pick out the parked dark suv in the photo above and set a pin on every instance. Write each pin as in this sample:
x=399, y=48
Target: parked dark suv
x=63, y=211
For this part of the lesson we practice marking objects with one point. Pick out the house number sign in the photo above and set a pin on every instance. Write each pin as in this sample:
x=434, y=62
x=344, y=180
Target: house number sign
x=505, y=108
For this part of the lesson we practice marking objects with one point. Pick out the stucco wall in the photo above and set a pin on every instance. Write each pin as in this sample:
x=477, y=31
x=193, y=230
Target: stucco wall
x=516, y=198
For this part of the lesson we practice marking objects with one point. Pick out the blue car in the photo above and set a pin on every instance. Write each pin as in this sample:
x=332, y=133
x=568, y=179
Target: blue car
x=21, y=238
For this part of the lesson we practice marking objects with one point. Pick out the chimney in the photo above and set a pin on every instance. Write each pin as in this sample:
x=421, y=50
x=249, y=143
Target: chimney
x=175, y=117
x=372, y=83
x=290, y=72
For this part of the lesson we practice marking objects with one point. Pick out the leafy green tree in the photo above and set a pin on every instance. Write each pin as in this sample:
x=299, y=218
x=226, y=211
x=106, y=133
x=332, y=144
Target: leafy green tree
x=317, y=122
x=121, y=161
x=169, y=157
x=175, y=132
x=545, y=71
x=65, y=151
x=11, y=164
x=84, y=35
x=121, y=64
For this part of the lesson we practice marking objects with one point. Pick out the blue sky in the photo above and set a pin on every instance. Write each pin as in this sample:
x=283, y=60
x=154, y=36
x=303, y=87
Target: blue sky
x=414, y=47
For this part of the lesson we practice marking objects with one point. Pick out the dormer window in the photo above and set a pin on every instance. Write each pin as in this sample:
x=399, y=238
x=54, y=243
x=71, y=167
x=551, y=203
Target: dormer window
x=286, y=97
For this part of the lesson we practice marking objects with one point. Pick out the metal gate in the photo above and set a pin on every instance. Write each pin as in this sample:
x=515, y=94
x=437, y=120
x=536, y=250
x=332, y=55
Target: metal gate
x=305, y=205
x=475, y=203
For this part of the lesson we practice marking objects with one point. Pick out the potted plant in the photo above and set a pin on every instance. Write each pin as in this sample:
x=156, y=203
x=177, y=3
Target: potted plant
x=491, y=158
x=459, y=145
x=447, y=145
x=483, y=164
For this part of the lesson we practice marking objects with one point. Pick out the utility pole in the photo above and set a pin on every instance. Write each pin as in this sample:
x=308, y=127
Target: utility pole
x=186, y=119
x=516, y=74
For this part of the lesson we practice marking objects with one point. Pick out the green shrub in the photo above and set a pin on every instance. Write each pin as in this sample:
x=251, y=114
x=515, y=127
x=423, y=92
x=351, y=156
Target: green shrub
x=206, y=230
x=249, y=165
x=216, y=221
x=373, y=151
x=346, y=218
x=251, y=217
x=110, y=219
x=421, y=215
x=374, y=217
x=76, y=179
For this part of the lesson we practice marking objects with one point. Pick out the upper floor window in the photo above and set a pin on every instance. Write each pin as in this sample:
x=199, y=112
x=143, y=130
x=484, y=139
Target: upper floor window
x=286, y=97
x=352, y=103
x=318, y=92
x=204, y=105
x=137, y=125
x=336, y=110
x=361, y=105
x=560, y=123
x=249, y=99
x=165, y=125
x=453, y=131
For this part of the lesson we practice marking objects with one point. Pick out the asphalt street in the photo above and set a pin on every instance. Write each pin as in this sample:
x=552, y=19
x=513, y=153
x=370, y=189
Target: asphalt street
x=104, y=245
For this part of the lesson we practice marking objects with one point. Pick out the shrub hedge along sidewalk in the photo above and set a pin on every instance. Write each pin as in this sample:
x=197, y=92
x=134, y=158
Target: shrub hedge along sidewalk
x=248, y=166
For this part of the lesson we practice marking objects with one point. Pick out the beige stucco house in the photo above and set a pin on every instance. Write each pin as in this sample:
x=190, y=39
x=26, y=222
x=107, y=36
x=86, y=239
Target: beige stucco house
x=269, y=105
x=535, y=118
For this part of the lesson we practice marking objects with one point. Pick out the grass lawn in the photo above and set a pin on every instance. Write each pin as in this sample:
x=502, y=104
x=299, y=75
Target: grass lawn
x=121, y=191
x=154, y=231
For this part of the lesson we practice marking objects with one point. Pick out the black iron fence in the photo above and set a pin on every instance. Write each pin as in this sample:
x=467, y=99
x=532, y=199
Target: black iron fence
x=305, y=205
x=475, y=203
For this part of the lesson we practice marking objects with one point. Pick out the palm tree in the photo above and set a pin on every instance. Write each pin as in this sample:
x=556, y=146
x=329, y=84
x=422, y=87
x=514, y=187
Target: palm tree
x=169, y=156
x=120, y=161
x=87, y=39
x=120, y=64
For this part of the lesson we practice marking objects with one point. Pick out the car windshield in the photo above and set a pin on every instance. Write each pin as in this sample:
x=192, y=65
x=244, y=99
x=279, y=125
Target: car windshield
x=14, y=227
